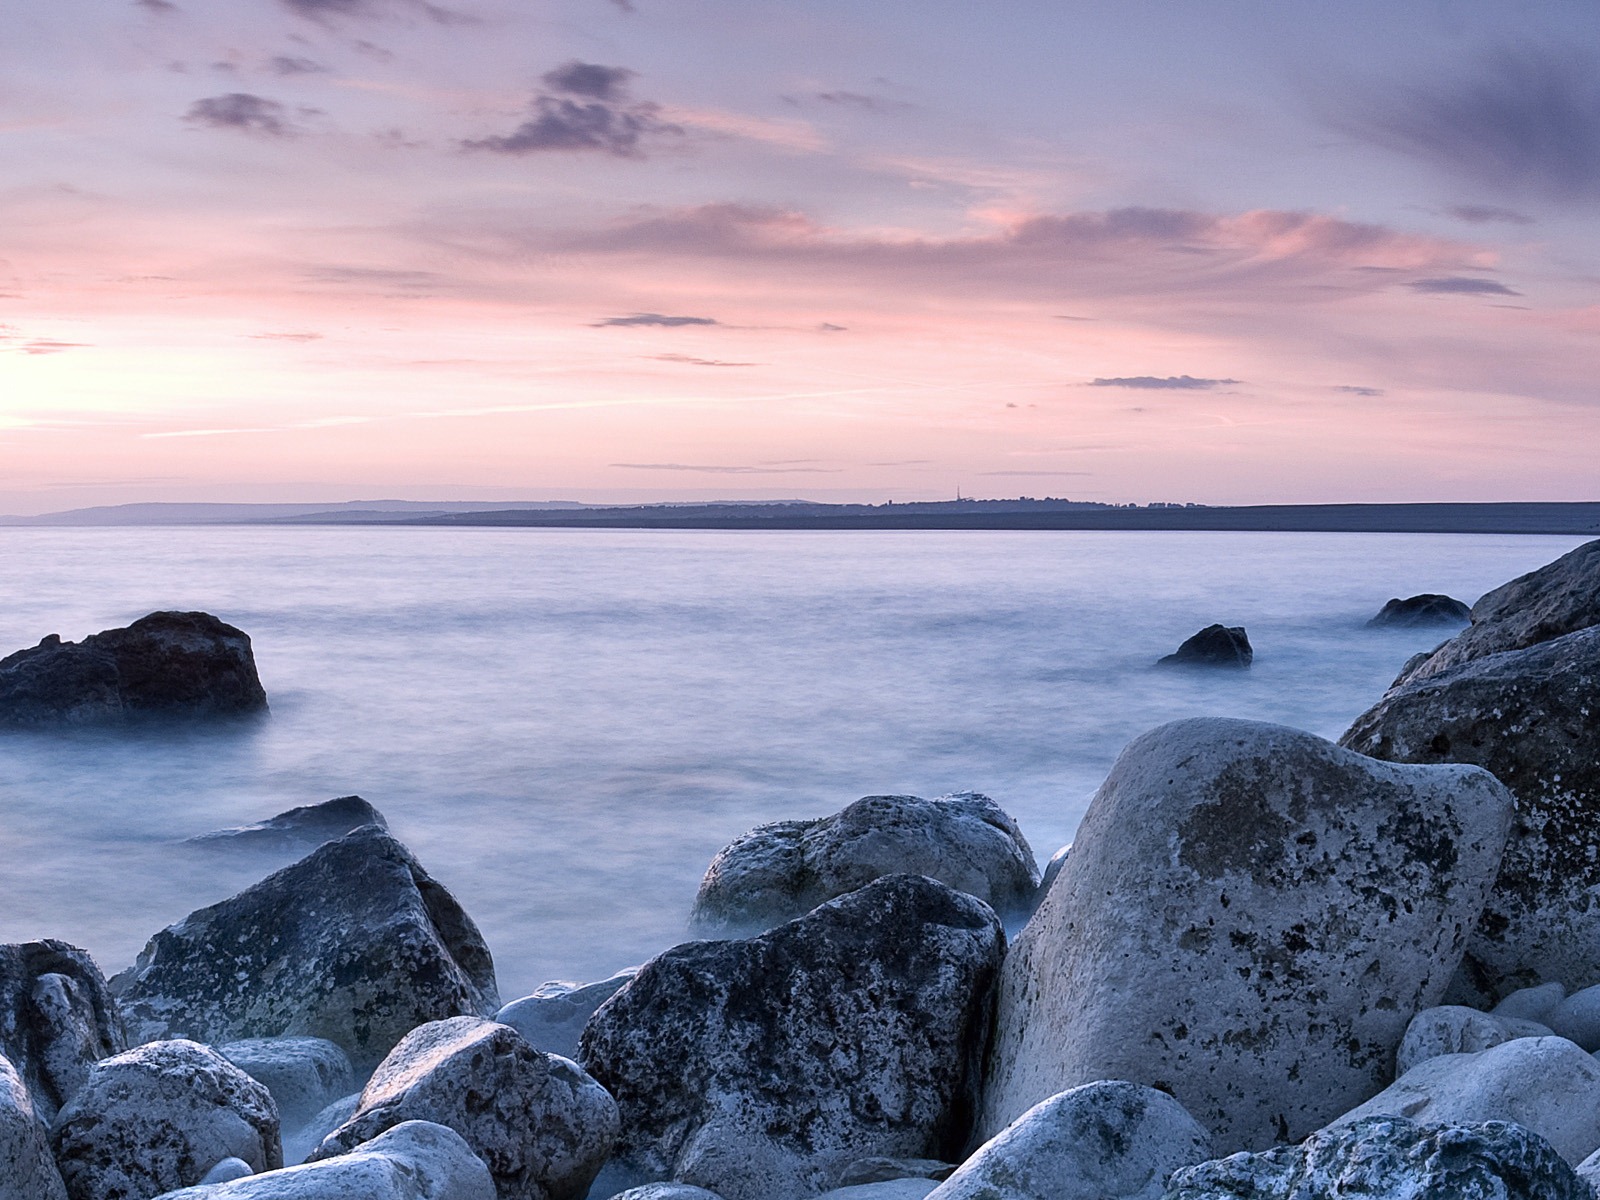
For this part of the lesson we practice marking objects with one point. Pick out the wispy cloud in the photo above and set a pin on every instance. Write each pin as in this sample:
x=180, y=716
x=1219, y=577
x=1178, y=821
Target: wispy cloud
x=244, y=112
x=161, y=7
x=654, y=319
x=325, y=11
x=706, y=469
x=692, y=361
x=1461, y=285
x=1182, y=383
x=1487, y=214
x=50, y=346
x=285, y=64
x=601, y=118
x=285, y=337
x=1046, y=474
x=1353, y=390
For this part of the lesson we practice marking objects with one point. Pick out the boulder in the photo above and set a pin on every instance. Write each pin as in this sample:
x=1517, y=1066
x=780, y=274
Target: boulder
x=1102, y=1141
x=783, y=870
x=763, y=1067
x=542, y=1126
x=666, y=1191
x=880, y=1170
x=1213, y=646
x=554, y=1016
x=159, y=1117
x=173, y=663
x=1430, y=608
x=1578, y=1018
x=57, y=1019
x=227, y=1171
x=1390, y=1158
x=355, y=943
x=903, y=1188
x=1534, y=1003
x=1456, y=1029
x=1530, y=717
x=27, y=1168
x=304, y=1074
x=412, y=1161
x=300, y=829
x=1052, y=869
x=1548, y=1085
x=1250, y=918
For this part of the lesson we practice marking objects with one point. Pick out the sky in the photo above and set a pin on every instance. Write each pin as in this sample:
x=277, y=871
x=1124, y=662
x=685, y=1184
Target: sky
x=1232, y=251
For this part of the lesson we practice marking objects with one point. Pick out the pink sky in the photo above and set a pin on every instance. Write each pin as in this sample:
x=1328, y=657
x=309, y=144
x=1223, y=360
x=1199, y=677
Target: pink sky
x=339, y=249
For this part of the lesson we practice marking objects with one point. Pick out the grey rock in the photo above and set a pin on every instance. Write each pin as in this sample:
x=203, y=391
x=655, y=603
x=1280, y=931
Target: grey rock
x=1530, y=717
x=879, y=1170
x=1053, y=868
x=884, y=1189
x=355, y=943
x=542, y=1126
x=57, y=1019
x=1102, y=1141
x=227, y=1171
x=1456, y=1029
x=553, y=1017
x=1534, y=1003
x=763, y=1067
x=303, y=1074
x=158, y=1117
x=413, y=1161
x=301, y=829
x=783, y=870
x=27, y=1168
x=1250, y=918
x=298, y=1144
x=1578, y=1018
x=666, y=1191
x=1429, y=608
x=1548, y=1085
x=1390, y=1158
x=1214, y=646
x=168, y=663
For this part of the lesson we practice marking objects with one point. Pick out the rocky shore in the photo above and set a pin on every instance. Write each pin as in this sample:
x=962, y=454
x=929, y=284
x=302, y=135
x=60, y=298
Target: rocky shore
x=1270, y=968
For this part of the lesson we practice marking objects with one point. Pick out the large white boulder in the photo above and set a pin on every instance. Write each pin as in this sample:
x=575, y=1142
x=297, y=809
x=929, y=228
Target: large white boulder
x=1249, y=919
x=27, y=1170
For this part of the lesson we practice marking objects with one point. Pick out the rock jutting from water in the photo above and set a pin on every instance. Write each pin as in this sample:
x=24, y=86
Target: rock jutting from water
x=1221, y=646
x=302, y=829
x=1429, y=608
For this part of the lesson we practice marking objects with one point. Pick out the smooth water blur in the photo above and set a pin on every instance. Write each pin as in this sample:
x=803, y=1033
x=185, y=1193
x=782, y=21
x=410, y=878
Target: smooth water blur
x=566, y=725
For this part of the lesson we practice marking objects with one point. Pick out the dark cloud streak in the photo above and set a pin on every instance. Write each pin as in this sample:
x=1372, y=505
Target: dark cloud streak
x=1180, y=383
x=1460, y=285
x=653, y=319
x=244, y=112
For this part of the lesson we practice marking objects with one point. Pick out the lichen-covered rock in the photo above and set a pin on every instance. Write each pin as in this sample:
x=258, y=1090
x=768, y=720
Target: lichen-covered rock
x=304, y=1075
x=158, y=1117
x=1456, y=1029
x=1225, y=646
x=553, y=1017
x=1390, y=1158
x=1430, y=608
x=301, y=829
x=1545, y=1084
x=1249, y=919
x=57, y=1019
x=542, y=1126
x=355, y=943
x=27, y=1168
x=413, y=1161
x=783, y=870
x=1102, y=1141
x=181, y=663
x=761, y=1068
x=1530, y=716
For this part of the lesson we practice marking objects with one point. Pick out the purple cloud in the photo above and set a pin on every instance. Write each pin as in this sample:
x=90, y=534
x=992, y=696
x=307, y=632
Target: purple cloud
x=654, y=319
x=244, y=112
x=1485, y=214
x=1187, y=383
x=1460, y=285
x=609, y=84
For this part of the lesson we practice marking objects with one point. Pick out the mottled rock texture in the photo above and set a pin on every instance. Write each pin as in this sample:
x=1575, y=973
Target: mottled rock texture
x=304, y=1074
x=1249, y=919
x=158, y=1117
x=355, y=943
x=1102, y=1141
x=763, y=1067
x=783, y=870
x=1456, y=1029
x=27, y=1168
x=1430, y=608
x=542, y=1126
x=1213, y=646
x=168, y=663
x=1392, y=1159
x=57, y=1019
x=552, y=1019
x=299, y=829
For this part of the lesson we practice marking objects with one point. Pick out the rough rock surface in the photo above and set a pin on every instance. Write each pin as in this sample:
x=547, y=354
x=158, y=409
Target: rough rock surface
x=552, y=1019
x=27, y=1168
x=763, y=1067
x=666, y=1191
x=1430, y=608
x=1213, y=646
x=57, y=1019
x=158, y=1117
x=1249, y=919
x=304, y=1075
x=1544, y=1084
x=1530, y=717
x=413, y=1161
x=783, y=870
x=1456, y=1029
x=355, y=943
x=1102, y=1141
x=302, y=828
x=186, y=663
x=542, y=1126
x=1391, y=1158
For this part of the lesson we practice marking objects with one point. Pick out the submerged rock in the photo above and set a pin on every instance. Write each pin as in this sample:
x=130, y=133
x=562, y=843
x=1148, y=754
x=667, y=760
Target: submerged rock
x=1430, y=608
x=783, y=870
x=27, y=1168
x=176, y=663
x=1249, y=919
x=300, y=828
x=1213, y=646
x=763, y=1067
x=355, y=943
x=57, y=1019
x=552, y=1019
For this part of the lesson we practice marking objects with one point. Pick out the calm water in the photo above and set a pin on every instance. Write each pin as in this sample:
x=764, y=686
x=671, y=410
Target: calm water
x=566, y=725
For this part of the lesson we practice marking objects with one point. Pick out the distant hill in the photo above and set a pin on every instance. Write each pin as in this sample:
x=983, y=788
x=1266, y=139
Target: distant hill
x=337, y=512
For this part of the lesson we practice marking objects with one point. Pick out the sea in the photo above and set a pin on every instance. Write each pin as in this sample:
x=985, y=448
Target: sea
x=566, y=725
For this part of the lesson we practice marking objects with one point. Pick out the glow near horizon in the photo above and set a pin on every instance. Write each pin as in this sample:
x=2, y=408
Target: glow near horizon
x=908, y=240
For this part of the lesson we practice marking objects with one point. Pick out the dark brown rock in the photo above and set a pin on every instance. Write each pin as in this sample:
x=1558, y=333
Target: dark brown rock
x=1213, y=646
